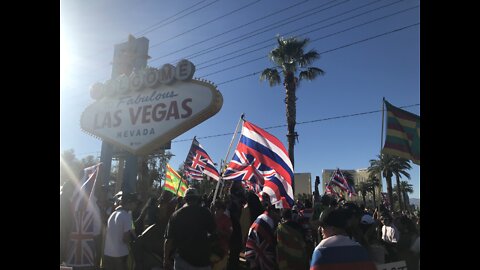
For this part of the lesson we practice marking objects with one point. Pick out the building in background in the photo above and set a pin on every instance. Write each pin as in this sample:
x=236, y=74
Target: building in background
x=303, y=184
x=358, y=175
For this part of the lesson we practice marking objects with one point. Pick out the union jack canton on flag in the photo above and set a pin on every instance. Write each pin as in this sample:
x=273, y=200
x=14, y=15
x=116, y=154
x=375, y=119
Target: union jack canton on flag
x=86, y=223
x=198, y=162
x=261, y=162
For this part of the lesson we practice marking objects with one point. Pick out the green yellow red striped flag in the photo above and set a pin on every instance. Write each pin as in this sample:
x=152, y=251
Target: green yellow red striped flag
x=403, y=134
x=172, y=182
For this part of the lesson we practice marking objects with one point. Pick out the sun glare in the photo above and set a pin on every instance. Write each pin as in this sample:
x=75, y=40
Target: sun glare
x=64, y=60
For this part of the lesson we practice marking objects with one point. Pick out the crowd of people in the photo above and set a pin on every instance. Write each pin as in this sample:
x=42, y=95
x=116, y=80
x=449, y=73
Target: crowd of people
x=241, y=230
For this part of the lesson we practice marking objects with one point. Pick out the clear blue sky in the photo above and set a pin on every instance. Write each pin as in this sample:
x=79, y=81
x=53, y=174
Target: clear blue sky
x=386, y=64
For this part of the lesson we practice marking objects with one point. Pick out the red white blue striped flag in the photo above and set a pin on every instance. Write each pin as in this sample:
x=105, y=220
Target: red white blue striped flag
x=262, y=161
x=87, y=221
x=198, y=162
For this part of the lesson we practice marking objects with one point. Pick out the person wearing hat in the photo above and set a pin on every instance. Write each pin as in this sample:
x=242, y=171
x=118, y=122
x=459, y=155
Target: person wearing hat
x=119, y=233
x=372, y=243
x=337, y=250
x=187, y=243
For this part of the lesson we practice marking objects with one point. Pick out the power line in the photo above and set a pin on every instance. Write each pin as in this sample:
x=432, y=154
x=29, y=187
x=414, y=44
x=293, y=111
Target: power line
x=316, y=29
x=229, y=31
x=213, y=20
x=209, y=4
x=261, y=30
x=199, y=65
x=324, y=52
x=146, y=30
x=298, y=123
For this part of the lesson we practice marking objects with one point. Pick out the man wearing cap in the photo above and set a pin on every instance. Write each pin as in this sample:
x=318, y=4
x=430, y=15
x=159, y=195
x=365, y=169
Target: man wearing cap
x=187, y=235
x=119, y=233
x=337, y=250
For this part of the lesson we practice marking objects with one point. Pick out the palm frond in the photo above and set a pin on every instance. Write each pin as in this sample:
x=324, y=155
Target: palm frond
x=311, y=73
x=272, y=75
x=308, y=58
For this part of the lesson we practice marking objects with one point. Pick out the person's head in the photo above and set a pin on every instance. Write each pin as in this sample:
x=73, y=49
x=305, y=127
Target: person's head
x=369, y=230
x=129, y=201
x=325, y=200
x=165, y=197
x=308, y=203
x=67, y=189
x=333, y=222
x=219, y=207
x=354, y=213
x=192, y=196
x=274, y=213
x=237, y=192
x=287, y=214
x=266, y=200
x=386, y=219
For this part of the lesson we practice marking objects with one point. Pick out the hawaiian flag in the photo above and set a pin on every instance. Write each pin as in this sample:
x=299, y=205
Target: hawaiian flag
x=260, y=245
x=329, y=190
x=339, y=180
x=87, y=221
x=262, y=162
x=198, y=162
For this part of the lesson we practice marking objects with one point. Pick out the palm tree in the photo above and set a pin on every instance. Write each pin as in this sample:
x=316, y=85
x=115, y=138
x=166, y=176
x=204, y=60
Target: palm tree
x=349, y=177
x=399, y=168
x=289, y=58
x=405, y=188
x=363, y=188
x=384, y=165
x=373, y=182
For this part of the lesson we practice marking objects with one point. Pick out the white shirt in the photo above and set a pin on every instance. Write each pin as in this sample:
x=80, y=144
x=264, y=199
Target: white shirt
x=119, y=222
x=390, y=234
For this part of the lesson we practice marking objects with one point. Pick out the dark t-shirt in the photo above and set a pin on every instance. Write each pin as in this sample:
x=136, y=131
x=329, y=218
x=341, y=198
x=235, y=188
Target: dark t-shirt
x=188, y=227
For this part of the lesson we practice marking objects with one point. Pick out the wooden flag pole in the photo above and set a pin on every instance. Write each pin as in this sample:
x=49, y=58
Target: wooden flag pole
x=228, y=153
x=383, y=115
x=381, y=140
x=222, y=164
x=180, y=182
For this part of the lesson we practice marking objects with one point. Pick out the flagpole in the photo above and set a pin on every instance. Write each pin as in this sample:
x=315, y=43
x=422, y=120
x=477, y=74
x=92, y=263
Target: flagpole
x=228, y=153
x=326, y=185
x=179, y=184
x=95, y=183
x=383, y=114
x=349, y=192
x=381, y=140
x=222, y=163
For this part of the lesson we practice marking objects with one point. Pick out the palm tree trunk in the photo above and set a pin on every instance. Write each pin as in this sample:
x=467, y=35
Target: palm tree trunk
x=374, y=201
x=399, y=192
x=406, y=201
x=389, y=190
x=363, y=197
x=290, y=101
